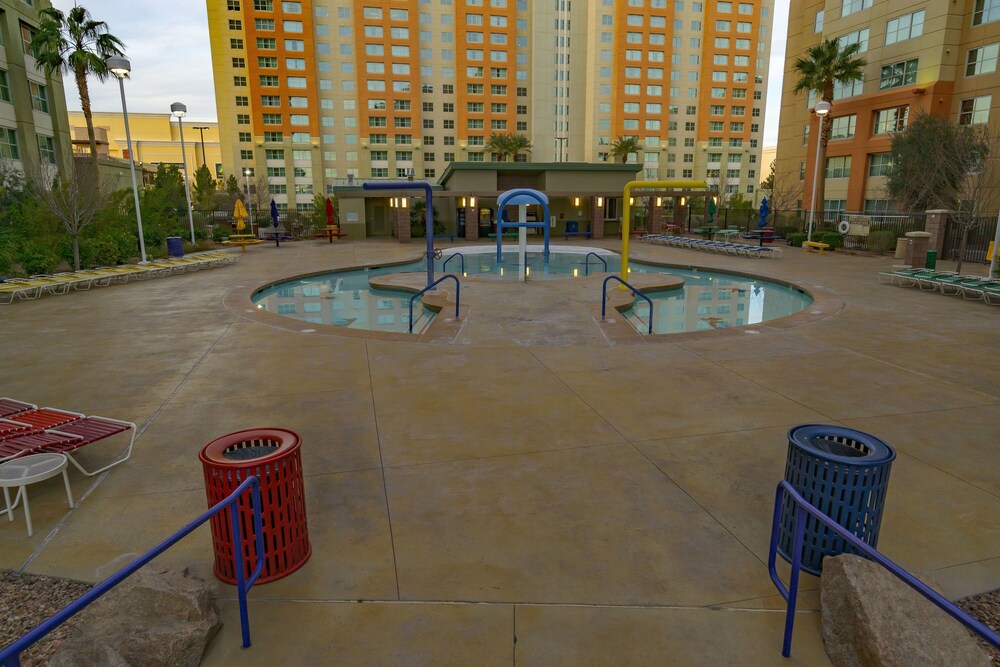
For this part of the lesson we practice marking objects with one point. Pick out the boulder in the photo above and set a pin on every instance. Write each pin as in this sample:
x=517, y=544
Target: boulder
x=154, y=618
x=872, y=619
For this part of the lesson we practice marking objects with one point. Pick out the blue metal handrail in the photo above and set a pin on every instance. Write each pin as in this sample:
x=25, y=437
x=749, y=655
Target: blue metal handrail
x=453, y=256
x=790, y=593
x=458, y=290
x=11, y=656
x=635, y=292
x=587, y=261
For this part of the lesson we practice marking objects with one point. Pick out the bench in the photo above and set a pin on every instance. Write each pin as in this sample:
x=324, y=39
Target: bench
x=506, y=235
x=815, y=246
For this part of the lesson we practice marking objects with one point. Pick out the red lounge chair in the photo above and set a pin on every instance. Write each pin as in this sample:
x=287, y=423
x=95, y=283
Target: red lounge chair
x=69, y=436
x=8, y=407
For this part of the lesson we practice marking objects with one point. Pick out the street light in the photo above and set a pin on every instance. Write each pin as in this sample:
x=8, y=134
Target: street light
x=822, y=108
x=121, y=68
x=247, y=172
x=201, y=129
x=178, y=111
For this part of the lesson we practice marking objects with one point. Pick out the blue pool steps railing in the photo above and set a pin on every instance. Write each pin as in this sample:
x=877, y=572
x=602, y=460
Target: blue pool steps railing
x=790, y=592
x=453, y=256
x=11, y=655
x=458, y=290
x=587, y=262
x=635, y=292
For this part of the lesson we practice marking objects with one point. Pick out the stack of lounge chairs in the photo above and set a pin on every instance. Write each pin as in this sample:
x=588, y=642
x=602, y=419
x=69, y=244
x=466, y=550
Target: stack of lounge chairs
x=973, y=288
x=723, y=247
x=26, y=429
x=61, y=283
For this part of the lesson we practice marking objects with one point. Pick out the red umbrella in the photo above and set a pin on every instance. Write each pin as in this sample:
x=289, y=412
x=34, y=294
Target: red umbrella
x=329, y=212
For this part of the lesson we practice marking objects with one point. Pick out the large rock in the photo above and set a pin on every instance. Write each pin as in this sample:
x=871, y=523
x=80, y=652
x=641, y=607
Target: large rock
x=871, y=618
x=154, y=618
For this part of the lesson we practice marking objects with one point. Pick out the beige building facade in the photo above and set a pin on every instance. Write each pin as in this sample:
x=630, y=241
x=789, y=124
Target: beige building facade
x=155, y=139
x=937, y=57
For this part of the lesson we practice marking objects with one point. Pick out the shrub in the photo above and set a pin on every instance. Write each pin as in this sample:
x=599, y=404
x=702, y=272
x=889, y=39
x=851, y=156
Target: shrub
x=881, y=240
x=795, y=239
x=220, y=232
x=832, y=239
x=785, y=231
x=99, y=251
x=36, y=258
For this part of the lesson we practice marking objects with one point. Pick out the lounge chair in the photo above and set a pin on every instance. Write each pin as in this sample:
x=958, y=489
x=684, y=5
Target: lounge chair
x=67, y=437
x=10, y=407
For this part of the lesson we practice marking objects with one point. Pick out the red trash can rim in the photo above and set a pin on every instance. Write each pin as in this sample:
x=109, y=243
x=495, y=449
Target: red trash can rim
x=213, y=452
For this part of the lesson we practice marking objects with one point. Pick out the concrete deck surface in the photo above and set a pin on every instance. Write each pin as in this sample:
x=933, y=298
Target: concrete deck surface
x=529, y=493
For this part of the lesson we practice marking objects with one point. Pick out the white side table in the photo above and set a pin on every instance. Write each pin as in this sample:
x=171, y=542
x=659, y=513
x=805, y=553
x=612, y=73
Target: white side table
x=27, y=470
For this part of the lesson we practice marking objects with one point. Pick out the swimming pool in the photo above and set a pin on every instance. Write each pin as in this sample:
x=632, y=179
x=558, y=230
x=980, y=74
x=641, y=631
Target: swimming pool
x=708, y=300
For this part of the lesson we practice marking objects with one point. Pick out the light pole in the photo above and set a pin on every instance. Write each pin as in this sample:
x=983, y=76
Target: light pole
x=201, y=129
x=246, y=172
x=178, y=111
x=822, y=108
x=121, y=68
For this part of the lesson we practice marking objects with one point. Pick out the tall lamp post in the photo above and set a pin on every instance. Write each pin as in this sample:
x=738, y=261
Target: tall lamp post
x=201, y=129
x=178, y=111
x=121, y=68
x=822, y=108
x=246, y=172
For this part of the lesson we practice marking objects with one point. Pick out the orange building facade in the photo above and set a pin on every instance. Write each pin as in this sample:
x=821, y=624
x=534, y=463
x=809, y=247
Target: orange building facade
x=315, y=93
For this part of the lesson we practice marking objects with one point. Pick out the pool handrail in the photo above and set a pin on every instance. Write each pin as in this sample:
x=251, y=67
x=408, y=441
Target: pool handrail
x=11, y=655
x=451, y=257
x=635, y=292
x=587, y=262
x=429, y=214
x=458, y=291
x=791, y=592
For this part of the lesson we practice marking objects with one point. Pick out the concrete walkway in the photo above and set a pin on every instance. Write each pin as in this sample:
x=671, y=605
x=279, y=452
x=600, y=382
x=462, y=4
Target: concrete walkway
x=521, y=493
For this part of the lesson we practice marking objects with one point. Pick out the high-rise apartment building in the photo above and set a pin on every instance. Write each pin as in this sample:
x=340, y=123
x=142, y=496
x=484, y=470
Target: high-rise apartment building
x=312, y=92
x=937, y=57
x=33, y=123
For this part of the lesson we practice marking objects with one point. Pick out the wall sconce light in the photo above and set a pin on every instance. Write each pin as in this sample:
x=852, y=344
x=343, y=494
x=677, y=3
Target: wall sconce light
x=576, y=201
x=659, y=201
x=682, y=201
x=462, y=202
x=600, y=201
x=472, y=202
x=631, y=201
x=403, y=202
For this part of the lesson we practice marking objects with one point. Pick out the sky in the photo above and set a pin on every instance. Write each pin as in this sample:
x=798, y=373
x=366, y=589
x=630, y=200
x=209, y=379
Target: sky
x=167, y=42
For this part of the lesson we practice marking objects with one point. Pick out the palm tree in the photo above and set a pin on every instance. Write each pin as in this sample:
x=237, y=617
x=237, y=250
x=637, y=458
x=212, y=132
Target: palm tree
x=75, y=42
x=507, y=143
x=623, y=146
x=824, y=65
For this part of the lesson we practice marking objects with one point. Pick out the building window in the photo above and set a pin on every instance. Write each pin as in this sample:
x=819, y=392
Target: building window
x=818, y=21
x=975, y=111
x=46, y=149
x=4, y=87
x=879, y=164
x=267, y=62
x=242, y=101
x=267, y=43
x=852, y=6
x=39, y=97
x=246, y=154
x=236, y=44
x=891, y=120
x=982, y=60
x=8, y=144
x=263, y=5
x=986, y=11
x=904, y=27
x=838, y=167
x=270, y=119
x=233, y=5
x=898, y=74
x=843, y=127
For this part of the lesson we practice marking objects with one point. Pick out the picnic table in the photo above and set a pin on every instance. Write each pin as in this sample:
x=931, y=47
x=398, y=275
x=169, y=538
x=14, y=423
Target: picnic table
x=706, y=231
x=329, y=231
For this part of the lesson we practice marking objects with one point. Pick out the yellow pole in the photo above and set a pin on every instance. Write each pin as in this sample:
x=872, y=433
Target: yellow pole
x=627, y=209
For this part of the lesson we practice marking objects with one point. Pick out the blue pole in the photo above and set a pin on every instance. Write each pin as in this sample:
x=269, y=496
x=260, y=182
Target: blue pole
x=429, y=225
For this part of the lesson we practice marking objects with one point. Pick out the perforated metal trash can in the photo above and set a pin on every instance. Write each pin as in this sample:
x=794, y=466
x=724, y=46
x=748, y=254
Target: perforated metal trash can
x=175, y=246
x=844, y=473
x=273, y=456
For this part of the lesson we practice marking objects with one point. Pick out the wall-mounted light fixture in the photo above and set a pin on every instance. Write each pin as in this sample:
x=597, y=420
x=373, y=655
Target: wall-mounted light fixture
x=472, y=202
x=576, y=201
x=600, y=201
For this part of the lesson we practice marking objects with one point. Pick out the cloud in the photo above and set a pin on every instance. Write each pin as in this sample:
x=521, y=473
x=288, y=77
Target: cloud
x=168, y=45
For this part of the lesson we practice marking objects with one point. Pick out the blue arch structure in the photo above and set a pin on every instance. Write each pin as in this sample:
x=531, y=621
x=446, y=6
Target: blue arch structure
x=519, y=196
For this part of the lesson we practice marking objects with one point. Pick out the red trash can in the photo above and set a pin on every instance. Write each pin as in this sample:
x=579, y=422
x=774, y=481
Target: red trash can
x=273, y=456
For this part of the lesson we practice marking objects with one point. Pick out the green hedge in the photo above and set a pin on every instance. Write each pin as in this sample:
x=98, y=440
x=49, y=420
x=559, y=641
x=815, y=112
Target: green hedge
x=882, y=241
x=795, y=239
x=832, y=239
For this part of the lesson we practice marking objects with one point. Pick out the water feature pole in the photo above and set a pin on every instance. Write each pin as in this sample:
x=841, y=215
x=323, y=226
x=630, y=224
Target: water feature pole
x=428, y=226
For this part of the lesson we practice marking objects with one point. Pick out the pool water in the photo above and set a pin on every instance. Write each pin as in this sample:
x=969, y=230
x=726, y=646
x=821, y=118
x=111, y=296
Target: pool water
x=708, y=300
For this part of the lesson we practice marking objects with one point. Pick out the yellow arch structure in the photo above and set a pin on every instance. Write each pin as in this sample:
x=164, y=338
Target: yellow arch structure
x=627, y=208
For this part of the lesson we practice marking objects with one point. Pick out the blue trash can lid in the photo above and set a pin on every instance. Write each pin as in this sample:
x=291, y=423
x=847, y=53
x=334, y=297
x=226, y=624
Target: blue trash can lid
x=838, y=443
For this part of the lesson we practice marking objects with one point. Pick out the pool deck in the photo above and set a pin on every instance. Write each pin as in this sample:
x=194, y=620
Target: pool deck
x=523, y=489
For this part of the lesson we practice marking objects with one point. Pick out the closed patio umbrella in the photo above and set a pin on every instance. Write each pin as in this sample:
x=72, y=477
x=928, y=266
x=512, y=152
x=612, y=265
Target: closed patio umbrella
x=240, y=214
x=274, y=223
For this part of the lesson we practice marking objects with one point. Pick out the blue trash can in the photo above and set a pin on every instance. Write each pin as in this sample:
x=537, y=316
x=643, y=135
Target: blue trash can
x=175, y=246
x=845, y=474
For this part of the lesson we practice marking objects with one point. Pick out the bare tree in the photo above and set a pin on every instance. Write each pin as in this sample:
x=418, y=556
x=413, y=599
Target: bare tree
x=977, y=191
x=69, y=196
x=781, y=190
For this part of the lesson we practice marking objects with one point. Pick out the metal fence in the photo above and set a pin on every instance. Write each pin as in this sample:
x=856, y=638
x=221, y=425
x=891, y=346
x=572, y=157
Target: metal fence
x=981, y=232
